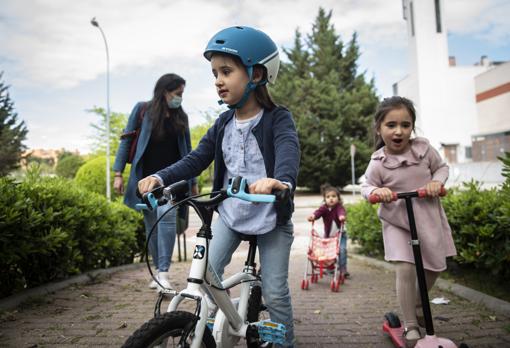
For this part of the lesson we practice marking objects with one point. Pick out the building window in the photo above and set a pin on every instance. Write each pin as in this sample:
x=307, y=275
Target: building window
x=438, y=16
x=469, y=152
x=412, y=17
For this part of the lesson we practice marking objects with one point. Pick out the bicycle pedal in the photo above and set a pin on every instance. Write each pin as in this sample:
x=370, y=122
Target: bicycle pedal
x=270, y=331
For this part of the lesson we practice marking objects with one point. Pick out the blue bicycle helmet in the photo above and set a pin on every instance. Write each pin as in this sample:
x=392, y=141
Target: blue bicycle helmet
x=253, y=47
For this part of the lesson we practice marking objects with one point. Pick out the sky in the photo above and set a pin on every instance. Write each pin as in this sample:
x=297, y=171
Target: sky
x=54, y=60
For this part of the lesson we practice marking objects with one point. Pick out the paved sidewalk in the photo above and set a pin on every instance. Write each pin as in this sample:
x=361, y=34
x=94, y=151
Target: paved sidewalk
x=107, y=311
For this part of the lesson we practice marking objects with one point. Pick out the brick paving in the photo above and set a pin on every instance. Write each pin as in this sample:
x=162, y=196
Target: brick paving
x=106, y=311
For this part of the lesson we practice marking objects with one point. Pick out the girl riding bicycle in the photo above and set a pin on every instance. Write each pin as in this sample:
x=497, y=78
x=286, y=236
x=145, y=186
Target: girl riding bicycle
x=255, y=139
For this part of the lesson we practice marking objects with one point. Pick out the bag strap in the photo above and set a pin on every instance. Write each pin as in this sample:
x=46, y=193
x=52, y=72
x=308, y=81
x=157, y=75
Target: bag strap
x=139, y=119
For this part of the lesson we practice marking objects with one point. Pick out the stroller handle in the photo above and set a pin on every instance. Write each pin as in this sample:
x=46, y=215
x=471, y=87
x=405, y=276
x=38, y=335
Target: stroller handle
x=421, y=193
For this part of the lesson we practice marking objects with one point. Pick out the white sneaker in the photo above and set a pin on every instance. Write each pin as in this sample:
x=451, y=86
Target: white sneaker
x=164, y=280
x=153, y=284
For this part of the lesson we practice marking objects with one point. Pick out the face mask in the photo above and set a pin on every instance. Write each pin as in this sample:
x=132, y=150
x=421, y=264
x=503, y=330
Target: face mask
x=175, y=102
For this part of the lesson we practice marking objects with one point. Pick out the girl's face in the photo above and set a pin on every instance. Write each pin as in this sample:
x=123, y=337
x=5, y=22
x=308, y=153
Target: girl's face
x=175, y=93
x=231, y=79
x=395, y=130
x=331, y=198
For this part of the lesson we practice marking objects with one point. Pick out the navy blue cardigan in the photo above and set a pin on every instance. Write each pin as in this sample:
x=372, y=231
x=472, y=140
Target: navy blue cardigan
x=278, y=142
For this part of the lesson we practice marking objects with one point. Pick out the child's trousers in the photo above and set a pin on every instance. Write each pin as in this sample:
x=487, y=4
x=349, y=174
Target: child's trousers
x=274, y=248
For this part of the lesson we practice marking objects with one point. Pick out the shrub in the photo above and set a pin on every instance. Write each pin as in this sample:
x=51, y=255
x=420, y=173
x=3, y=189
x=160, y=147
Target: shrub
x=92, y=175
x=51, y=229
x=481, y=228
x=365, y=228
x=69, y=165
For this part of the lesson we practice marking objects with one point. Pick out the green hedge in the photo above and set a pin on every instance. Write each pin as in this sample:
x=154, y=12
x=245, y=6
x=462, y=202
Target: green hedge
x=92, y=176
x=51, y=229
x=480, y=222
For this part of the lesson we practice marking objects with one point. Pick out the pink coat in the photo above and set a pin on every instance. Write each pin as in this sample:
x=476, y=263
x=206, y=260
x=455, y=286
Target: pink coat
x=408, y=172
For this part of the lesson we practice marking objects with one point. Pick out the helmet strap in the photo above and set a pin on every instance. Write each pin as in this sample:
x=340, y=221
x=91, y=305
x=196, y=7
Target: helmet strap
x=250, y=87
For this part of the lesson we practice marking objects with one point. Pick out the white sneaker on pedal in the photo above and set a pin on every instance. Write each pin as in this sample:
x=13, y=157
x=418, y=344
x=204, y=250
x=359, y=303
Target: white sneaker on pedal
x=153, y=284
x=164, y=280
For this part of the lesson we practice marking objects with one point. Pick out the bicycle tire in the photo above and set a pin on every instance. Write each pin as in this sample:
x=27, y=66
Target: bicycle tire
x=169, y=325
x=255, y=306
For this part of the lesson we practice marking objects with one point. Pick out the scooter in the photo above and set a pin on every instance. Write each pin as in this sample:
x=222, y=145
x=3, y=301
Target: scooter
x=392, y=325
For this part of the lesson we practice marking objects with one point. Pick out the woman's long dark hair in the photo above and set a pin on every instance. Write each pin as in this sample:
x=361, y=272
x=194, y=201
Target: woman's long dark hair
x=386, y=106
x=159, y=108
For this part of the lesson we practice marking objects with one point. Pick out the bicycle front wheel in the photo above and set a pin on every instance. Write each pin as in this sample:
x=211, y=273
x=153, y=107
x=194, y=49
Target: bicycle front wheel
x=166, y=331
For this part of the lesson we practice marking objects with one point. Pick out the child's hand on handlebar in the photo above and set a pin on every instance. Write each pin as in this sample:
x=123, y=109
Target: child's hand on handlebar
x=147, y=184
x=384, y=194
x=341, y=218
x=311, y=218
x=433, y=188
x=266, y=186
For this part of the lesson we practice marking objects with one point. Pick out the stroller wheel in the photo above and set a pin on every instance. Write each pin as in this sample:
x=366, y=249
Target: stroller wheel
x=304, y=284
x=334, y=285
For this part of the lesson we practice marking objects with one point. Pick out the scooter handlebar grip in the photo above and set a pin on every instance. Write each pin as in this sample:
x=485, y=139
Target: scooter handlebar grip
x=423, y=193
x=373, y=198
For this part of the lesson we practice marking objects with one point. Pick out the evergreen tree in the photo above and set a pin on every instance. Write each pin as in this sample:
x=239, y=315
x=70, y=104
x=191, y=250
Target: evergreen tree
x=12, y=132
x=331, y=102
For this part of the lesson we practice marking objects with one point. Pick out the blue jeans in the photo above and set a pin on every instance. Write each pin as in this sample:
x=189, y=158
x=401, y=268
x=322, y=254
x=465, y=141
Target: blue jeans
x=161, y=244
x=342, y=258
x=274, y=249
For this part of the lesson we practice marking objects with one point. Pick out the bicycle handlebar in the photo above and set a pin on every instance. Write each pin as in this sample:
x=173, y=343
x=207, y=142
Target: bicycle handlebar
x=237, y=188
x=420, y=193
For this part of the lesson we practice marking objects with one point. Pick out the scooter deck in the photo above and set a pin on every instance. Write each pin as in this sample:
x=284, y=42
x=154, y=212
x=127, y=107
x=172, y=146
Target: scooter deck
x=395, y=333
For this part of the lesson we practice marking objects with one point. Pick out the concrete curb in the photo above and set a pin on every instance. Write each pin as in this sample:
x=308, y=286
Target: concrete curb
x=13, y=301
x=490, y=302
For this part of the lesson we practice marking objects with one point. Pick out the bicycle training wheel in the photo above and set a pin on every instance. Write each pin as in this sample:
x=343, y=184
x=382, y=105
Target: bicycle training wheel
x=166, y=331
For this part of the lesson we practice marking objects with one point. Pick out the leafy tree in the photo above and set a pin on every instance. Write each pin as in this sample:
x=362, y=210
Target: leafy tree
x=12, y=133
x=68, y=164
x=331, y=102
x=118, y=122
x=197, y=132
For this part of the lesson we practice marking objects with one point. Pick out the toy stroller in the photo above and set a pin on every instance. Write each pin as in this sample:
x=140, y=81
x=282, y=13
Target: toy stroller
x=322, y=257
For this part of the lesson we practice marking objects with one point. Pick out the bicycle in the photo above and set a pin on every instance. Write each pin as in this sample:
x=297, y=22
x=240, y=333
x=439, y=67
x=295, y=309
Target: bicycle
x=235, y=318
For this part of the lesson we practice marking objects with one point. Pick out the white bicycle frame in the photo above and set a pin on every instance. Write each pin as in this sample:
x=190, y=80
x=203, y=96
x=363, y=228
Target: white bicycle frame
x=229, y=324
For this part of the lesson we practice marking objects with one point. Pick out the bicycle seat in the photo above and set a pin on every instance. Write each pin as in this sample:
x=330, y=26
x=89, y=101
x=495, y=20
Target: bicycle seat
x=248, y=237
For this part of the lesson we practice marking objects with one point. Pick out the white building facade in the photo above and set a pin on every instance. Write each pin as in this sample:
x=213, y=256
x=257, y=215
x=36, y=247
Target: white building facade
x=443, y=93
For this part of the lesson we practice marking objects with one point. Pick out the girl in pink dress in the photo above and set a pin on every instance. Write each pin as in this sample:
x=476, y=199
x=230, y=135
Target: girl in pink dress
x=401, y=163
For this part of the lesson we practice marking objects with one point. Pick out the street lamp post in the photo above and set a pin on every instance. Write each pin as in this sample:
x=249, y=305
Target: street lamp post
x=94, y=22
x=353, y=152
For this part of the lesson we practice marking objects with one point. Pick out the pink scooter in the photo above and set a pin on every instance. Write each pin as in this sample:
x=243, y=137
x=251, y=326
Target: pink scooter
x=392, y=324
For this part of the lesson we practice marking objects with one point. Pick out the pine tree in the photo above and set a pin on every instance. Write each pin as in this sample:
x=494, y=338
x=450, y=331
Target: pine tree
x=12, y=132
x=331, y=102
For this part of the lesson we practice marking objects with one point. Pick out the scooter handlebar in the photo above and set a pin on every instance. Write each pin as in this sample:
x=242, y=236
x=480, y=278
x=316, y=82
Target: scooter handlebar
x=420, y=193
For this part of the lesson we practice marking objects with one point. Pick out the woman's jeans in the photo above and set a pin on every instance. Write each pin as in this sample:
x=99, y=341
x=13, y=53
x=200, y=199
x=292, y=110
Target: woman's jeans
x=274, y=249
x=161, y=244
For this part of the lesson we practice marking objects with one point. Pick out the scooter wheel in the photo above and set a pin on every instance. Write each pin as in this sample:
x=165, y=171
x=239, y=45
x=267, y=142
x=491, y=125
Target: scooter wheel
x=393, y=320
